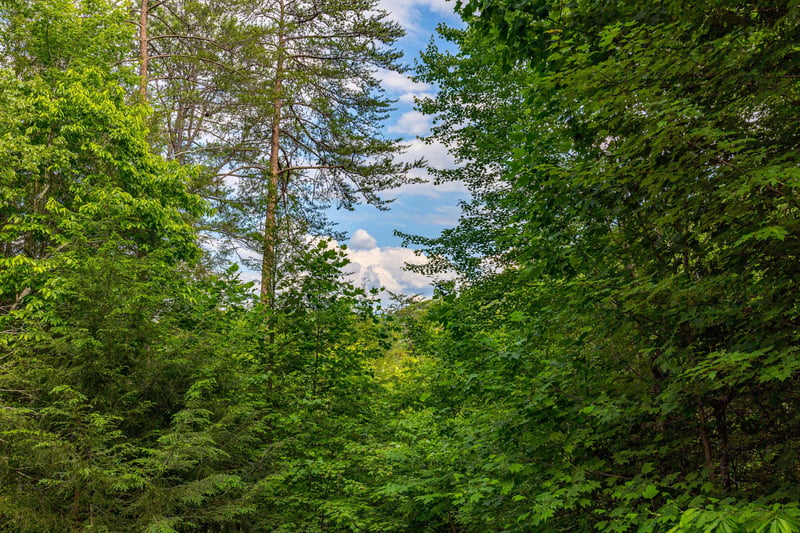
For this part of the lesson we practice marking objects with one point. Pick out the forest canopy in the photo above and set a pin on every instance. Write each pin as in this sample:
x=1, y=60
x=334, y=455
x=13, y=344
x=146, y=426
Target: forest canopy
x=618, y=351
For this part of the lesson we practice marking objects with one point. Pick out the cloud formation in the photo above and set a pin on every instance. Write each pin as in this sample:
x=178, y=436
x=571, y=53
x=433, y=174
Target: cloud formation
x=403, y=88
x=411, y=123
x=437, y=157
x=361, y=240
x=409, y=13
x=374, y=267
x=411, y=98
x=399, y=83
x=435, y=153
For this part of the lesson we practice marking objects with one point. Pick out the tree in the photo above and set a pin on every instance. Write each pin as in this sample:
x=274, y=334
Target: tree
x=279, y=101
x=201, y=72
x=95, y=229
x=48, y=37
x=649, y=293
x=139, y=391
x=325, y=112
x=476, y=109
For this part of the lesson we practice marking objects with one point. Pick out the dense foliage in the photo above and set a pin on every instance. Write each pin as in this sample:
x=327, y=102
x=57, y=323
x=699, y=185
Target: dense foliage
x=633, y=365
x=619, y=352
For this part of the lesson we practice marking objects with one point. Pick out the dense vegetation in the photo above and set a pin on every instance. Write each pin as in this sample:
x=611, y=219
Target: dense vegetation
x=619, y=351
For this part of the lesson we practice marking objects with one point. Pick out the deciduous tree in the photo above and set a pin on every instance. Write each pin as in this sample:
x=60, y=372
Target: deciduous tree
x=651, y=200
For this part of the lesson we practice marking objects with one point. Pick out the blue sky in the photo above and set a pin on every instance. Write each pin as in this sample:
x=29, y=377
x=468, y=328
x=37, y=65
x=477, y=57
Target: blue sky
x=424, y=209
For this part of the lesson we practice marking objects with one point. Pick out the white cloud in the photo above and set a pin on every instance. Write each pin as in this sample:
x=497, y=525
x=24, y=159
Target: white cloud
x=247, y=275
x=384, y=266
x=403, y=87
x=430, y=190
x=435, y=153
x=411, y=123
x=399, y=83
x=361, y=240
x=408, y=13
x=438, y=157
x=370, y=266
x=411, y=97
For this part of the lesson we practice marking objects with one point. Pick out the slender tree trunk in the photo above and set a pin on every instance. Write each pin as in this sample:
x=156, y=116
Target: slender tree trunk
x=76, y=501
x=176, y=148
x=144, y=55
x=269, y=259
x=706, y=442
x=721, y=417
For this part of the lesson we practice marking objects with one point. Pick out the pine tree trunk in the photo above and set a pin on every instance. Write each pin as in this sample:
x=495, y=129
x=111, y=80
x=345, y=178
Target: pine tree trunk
x=706, y=441
x=143, y=52
x=269, y=259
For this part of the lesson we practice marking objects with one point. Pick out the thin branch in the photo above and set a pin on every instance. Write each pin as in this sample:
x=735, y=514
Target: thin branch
x=192, y=37
x=203, y=59
x=312, y=167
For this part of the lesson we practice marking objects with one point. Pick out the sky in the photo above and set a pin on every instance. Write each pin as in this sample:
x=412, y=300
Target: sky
x=377, y=256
